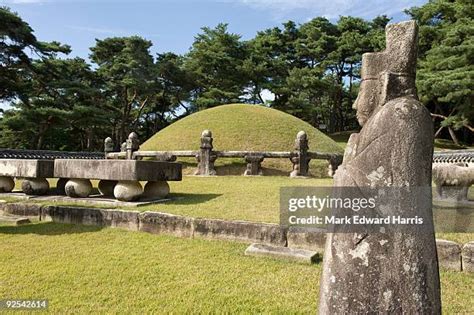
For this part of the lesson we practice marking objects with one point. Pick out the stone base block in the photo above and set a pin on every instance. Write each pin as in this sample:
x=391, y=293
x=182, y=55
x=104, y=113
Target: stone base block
x=240, y=231
x=89, y=216
x=21, y=209
x=13, y=220
x=285, y=253
x=449, y=254
x=468, y=257
x=307, y=238
x=163, y=223
x=452, y=193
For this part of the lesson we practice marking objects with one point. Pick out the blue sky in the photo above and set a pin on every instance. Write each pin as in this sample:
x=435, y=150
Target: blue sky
x=172, y=25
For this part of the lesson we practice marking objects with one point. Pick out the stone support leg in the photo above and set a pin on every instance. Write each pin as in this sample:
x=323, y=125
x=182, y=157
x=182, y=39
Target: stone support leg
x=6, y=184
x=35, y=186
x=78, y=188
x=156, y=190
x=128, y=190
x=106, y=187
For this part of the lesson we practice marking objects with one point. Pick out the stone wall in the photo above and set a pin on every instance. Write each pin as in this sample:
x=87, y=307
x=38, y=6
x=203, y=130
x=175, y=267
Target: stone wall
x=451, y=255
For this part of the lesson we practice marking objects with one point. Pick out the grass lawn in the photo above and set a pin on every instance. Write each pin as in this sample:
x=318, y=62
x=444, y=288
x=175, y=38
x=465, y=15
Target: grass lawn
x=239, y=127
x=89, y=269
x=236, y=198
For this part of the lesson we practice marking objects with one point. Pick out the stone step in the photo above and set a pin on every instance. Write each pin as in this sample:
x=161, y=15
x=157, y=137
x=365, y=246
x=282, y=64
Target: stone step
x=14, y=220
x=284, y=253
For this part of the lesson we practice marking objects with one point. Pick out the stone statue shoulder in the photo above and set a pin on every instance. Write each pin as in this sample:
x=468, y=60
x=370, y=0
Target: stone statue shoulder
x=385, y=141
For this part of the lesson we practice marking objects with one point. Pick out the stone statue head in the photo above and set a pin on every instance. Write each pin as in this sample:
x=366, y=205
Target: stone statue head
x=389, y=74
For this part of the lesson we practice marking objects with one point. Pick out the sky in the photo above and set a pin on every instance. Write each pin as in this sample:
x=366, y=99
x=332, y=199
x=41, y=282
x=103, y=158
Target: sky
x=172, y=25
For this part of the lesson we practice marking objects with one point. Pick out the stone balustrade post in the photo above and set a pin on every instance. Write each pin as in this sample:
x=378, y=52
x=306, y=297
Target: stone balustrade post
x=206, y=157
x=334, y=163
x=254, y=165
x=300, y=158
x=108, y=146
x=131, y=145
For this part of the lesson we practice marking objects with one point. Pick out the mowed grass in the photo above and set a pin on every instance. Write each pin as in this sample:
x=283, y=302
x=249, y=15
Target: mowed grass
x=255, y=199
x=84, y=269
x=227, y=197
x=241, y=127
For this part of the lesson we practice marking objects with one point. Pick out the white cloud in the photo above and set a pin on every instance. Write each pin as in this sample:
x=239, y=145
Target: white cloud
x=333, y=8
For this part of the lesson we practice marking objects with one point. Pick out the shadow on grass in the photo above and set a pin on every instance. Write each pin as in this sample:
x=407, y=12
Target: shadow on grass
x=447, y=144
x=49, y=228
x=187, y=199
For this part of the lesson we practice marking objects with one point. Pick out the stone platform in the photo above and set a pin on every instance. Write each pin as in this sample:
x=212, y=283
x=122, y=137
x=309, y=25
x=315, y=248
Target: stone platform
x=13, y=220
x=118, y=170
x=33, y=171
x=92, y=200
x=118, y=178
x=284, y=253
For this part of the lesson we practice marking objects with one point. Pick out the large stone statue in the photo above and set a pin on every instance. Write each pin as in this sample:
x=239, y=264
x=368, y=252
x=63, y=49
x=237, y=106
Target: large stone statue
x=388, y=270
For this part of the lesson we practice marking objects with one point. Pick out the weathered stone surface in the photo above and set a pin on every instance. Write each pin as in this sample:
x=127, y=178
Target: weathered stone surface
x=21, y=209
x=6, y=184
x=468, y=257
x=452, y=181
x=449, y=254
x=285, y=253
x=390, y=272
x=91, y=216
x=206, y=157
x=35, y=186
x=240, y=231
x=164, y=223
x=61, y=186
x=78, y=188
x=300, y=159
x=106, y=187
x=26, y=168
x=313, y=239
x=128, y=190
x=117, y=170
x=254, y=165
x=13, y=220
x=156, y=190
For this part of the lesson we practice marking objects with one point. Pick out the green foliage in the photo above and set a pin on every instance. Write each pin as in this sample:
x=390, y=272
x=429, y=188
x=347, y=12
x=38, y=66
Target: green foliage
x=311, y=69
x=446, y=70
x=16, y=40
x=215, y=62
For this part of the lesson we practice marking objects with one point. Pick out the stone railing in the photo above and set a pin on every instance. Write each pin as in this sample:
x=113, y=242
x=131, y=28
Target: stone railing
x=48, y=155
x=465, y=157
x=206, y=156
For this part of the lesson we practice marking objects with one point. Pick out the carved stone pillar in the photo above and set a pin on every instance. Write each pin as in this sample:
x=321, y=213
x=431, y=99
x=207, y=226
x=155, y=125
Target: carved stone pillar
x=206, y=157
x=300, y=159
x=254, y=165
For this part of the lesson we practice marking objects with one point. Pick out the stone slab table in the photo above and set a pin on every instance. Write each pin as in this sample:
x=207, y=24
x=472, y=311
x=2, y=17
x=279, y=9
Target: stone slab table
x=118, y=178
x=33, y=171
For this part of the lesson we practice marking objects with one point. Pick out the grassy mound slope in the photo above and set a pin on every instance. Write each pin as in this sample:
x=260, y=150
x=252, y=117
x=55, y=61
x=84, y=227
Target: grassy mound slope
x=243, y=127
